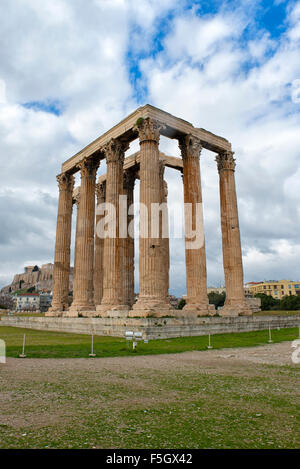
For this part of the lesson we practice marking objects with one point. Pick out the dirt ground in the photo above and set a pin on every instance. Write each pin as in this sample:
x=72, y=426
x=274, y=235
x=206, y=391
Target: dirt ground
x=273, y=354
x=56, y=401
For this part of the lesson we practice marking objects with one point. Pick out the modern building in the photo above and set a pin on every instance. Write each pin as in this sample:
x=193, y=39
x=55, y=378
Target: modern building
x=222, y=289
x=45, y=302
x=28, y=302
x=275, y=288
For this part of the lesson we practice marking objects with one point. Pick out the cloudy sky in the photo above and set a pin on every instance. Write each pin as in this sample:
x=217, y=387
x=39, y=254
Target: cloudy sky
x=70, y=69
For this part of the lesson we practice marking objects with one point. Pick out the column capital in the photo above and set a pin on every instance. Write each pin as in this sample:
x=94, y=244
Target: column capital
x=114, y=150
x=88, y=167
x=129, y=179
x=101, y=191
x=148, y=129
x=190, y=146
x=65, y=182
x=226, y=161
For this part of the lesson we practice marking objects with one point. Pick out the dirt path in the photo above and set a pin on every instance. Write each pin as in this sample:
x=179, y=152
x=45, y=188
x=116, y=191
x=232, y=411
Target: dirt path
x=273, y=354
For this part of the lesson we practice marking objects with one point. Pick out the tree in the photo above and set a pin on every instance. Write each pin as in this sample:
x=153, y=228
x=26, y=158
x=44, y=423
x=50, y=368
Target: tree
x=268, y=303
x=181, y=303
x=290, y=303
x=217, y=299
x=6, y=302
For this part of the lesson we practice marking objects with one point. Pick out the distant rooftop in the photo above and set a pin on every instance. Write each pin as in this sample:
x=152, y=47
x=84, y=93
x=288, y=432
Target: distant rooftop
x=28, y=294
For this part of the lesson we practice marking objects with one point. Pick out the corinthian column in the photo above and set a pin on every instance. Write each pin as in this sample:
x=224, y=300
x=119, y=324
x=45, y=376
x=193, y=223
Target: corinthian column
x=164, y=232
x=151, y=301
x=113, y=298
x=83, y=291
x=128, y=242
x=99, y=244
x=61, y=271
x=231, y=241
x=76, y=198
x=195, y=258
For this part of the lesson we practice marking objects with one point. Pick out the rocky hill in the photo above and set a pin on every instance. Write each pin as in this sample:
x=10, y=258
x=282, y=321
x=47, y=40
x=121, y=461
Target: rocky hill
x=34, y=276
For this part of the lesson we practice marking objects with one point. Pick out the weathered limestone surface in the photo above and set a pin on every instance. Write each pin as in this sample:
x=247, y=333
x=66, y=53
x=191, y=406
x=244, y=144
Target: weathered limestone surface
x=40, y=277
x=155, y=328
x=128, y=242
x=152, y=298
x=164, y=233
x=76, y=198
x=113, y=291
x=61, y=271
x=99, y=246
x=197, y=300
x=235, y=303
x=83, y=294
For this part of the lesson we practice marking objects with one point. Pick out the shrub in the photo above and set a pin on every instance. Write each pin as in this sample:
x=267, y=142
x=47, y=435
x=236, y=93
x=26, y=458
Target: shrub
x=181, y=303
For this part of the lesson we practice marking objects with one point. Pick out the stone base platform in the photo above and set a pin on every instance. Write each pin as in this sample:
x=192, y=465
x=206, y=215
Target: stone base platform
x=153, y=328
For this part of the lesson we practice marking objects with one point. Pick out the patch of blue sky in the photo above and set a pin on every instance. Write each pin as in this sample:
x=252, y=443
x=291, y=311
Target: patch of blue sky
x=272, y=16
x=269, y=14
x=162, y=28
x=205, y=7
x=51, y=106
x=264, y=16
x=136, y=54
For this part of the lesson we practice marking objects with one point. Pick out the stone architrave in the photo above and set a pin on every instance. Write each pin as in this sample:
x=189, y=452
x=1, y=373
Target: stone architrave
x=197, y=299
x=235, y=302
x=83, y=292
x=151, y=301
x=61, y=271
x=99, y=247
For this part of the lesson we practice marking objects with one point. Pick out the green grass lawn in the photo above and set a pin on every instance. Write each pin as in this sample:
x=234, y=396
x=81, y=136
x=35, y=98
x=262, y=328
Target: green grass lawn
x=24, y=315
x=42, y=344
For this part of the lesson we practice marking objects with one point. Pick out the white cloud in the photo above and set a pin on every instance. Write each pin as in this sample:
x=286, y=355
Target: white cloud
x=254, y=110
x=258, y=48
x=294, y=17
x=281, y=263
x=207, y=72
x=196, y=38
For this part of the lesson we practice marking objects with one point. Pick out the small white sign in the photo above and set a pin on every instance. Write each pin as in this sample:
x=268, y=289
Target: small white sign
x=2, y=351
x=296, y=353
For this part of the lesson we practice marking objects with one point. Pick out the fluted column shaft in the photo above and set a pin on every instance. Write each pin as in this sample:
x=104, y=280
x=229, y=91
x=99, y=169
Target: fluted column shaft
x=76, y=198
x=113, y=298
x=99, y=246
x=164, y=233
x=231, y=241
x=83, y=291
x=128, y=242
x=151, y=299
x=196, y=276
x=61, y=271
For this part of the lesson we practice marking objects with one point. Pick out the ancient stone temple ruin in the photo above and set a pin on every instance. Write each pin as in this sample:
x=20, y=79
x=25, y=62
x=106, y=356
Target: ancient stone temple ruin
x=104, y=265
